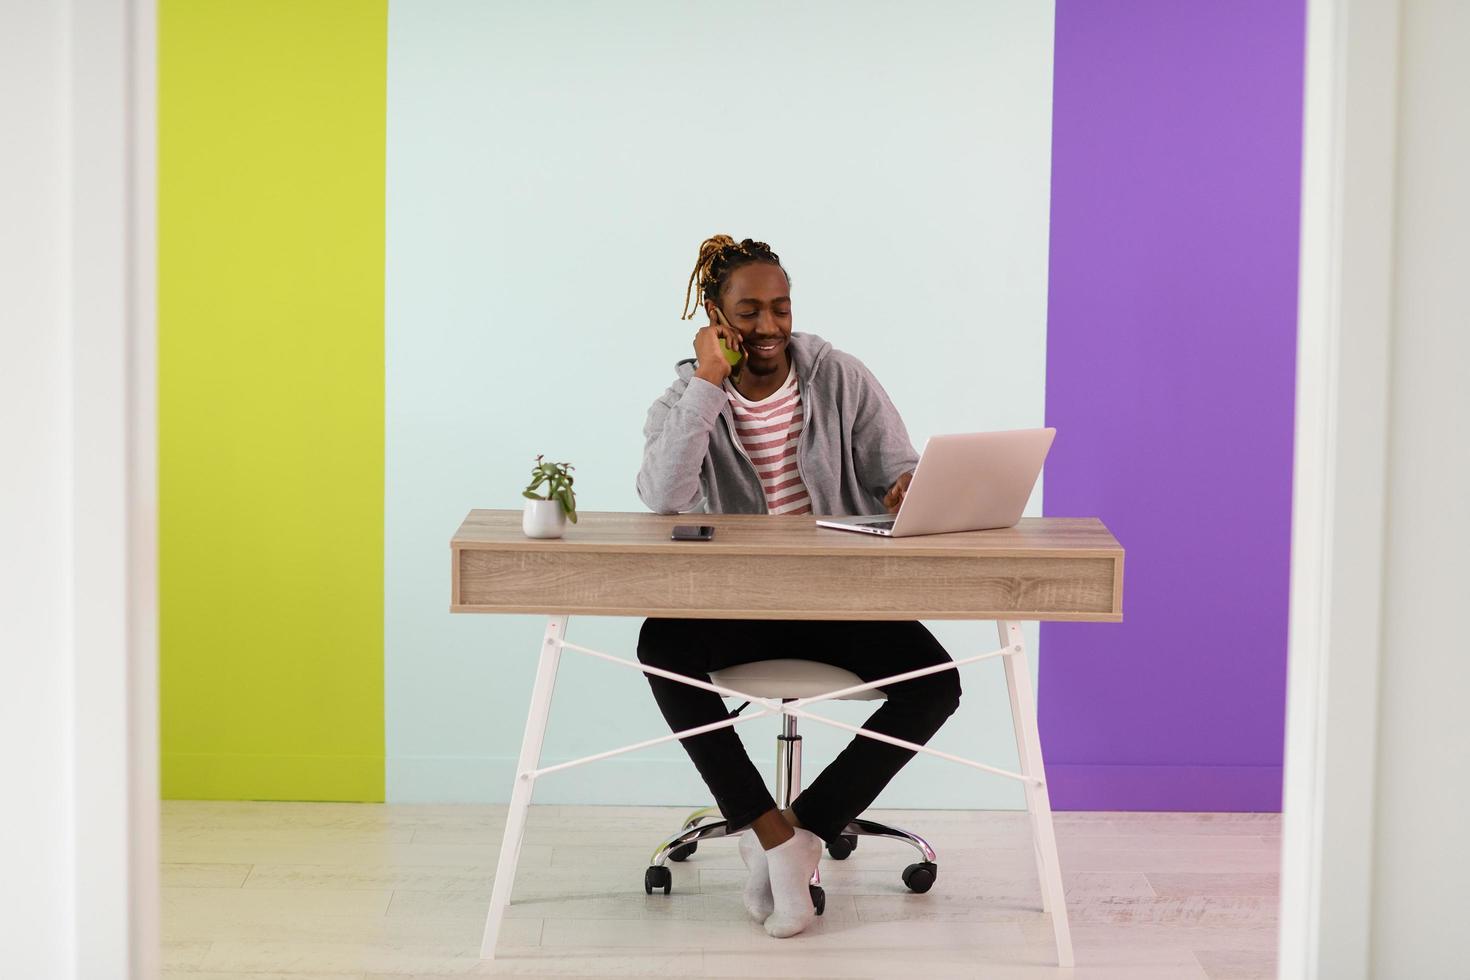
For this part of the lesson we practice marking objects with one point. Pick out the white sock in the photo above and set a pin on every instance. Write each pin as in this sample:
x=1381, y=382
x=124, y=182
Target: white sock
x=758, y=900
x=790, y=866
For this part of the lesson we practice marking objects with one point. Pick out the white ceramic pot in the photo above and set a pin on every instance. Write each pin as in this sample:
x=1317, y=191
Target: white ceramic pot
x=544, y=519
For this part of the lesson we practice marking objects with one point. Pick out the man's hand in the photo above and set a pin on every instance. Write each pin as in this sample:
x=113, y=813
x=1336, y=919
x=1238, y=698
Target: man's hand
x=895, y=493
x=710, y=360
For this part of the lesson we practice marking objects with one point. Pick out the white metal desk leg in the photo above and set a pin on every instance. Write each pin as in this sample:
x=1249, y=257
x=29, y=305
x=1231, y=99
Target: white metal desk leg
x=1038, y=801
x=520, y=795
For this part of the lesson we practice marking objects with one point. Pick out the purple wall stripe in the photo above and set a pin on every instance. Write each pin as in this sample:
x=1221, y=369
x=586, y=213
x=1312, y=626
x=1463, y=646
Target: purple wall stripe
x=1171, y=347
x=1168, y=787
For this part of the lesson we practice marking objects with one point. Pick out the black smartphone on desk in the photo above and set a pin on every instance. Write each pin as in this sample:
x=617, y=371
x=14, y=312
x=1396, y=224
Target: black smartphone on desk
x=693, y=532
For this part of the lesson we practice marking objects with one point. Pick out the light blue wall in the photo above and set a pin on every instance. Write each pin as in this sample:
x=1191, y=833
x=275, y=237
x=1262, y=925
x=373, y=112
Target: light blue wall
x=552, y=169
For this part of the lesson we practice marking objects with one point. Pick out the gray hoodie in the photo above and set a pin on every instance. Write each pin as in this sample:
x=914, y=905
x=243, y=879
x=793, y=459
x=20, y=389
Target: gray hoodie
x=853, y=443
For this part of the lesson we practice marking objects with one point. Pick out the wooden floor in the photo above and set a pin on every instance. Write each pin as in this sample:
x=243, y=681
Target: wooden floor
x=311, y=891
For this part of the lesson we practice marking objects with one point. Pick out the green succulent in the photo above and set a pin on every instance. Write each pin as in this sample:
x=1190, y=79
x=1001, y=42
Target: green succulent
x=559, y=486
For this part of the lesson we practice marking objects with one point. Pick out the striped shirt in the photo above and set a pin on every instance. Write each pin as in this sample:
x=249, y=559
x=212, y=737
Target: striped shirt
x=768, y=430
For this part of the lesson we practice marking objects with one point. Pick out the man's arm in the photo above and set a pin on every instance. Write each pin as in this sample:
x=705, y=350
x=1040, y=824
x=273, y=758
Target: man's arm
x=882, y=452
x=675, y=440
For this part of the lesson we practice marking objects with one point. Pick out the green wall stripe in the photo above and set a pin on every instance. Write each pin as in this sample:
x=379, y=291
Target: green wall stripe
x=271, y=238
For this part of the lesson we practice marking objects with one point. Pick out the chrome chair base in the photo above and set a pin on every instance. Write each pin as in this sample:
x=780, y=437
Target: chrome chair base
x=706, y=824
x=702, y=826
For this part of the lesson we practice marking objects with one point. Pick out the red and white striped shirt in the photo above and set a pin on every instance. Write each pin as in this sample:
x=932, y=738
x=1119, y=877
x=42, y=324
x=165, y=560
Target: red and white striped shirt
x=768, y=430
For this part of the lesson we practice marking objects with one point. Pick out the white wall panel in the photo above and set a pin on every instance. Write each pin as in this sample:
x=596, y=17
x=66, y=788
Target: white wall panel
x=552, y=169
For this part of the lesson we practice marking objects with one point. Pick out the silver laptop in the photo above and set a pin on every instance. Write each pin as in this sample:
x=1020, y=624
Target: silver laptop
x=972, y=481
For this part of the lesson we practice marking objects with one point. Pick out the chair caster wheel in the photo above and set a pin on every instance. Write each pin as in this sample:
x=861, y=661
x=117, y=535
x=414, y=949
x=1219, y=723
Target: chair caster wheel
x=682, y=852
x=842, y=847
x=920, y=877
x=819, y=898
x=657, y=876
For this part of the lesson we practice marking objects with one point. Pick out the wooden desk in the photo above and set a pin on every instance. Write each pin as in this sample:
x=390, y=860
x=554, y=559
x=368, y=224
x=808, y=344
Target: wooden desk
x=615, y=564
x=785, y=567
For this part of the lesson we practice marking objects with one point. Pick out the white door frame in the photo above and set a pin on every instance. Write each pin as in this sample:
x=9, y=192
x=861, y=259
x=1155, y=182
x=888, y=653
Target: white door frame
x=113, y=127
x=1342, y=401
x=1337, y=533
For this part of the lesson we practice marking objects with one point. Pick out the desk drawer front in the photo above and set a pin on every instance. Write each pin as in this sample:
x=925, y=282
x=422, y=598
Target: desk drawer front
x=787, y=586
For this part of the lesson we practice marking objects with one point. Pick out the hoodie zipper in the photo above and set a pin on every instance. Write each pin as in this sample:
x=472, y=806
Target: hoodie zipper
x=730, y=430
x=801, y=440
x=806, y=418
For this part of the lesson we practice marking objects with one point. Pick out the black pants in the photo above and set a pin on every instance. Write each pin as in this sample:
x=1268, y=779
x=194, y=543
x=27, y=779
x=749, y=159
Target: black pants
x=871, y=649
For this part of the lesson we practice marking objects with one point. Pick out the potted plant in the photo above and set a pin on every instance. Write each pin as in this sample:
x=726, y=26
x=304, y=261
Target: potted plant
x=546, y=516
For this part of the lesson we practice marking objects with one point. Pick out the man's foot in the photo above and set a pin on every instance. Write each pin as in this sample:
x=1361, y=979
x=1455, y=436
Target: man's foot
x=758, y=901
x=790, y=866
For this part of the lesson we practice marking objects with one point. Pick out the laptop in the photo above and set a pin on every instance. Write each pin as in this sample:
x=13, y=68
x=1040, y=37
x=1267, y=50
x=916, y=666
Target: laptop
x=971, y=481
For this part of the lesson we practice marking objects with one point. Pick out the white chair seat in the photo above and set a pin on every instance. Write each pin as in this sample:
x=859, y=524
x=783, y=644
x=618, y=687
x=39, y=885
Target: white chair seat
x=792, y=679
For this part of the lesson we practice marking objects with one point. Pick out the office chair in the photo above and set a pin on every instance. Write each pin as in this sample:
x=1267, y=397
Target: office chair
x=788, y=680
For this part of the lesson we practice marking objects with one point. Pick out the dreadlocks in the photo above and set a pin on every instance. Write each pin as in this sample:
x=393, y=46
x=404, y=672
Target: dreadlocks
x=719, y=256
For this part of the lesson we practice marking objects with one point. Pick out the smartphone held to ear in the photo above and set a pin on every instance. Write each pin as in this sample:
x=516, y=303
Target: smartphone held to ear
x=693, y=532
x=733, y=357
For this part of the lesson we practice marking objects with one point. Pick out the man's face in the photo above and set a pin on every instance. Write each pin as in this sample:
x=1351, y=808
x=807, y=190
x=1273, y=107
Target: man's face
x=757, y=302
